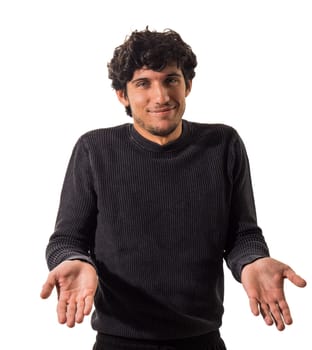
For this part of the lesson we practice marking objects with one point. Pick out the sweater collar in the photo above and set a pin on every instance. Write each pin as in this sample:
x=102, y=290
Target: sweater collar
x=155, y=147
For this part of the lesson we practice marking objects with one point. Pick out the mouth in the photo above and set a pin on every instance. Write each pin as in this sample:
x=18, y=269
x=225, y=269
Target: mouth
x=162, y=110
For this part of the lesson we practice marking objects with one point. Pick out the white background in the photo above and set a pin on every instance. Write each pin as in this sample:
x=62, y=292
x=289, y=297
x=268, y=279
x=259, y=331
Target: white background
x=254, y=73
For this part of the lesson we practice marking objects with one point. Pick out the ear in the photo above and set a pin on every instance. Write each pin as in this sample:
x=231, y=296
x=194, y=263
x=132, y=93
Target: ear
x=189, y=88
x=122, y=98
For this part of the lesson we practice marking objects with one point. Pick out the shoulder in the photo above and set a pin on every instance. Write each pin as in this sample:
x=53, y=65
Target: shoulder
x=96, y=141
x=105, y=132
x=216, y=131
x=103, y=135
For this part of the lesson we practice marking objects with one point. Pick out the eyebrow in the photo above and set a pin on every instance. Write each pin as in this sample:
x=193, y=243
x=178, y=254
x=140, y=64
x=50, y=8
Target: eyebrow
x=174, y=75
x=170, y=75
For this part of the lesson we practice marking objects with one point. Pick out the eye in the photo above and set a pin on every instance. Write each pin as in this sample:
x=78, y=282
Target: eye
x=142, y=83
x=172, y=81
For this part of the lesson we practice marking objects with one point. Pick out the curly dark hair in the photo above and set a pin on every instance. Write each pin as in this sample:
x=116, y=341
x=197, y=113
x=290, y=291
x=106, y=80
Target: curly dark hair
x=151, y=49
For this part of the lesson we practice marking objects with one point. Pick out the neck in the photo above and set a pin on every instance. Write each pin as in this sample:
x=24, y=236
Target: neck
x=159, y=139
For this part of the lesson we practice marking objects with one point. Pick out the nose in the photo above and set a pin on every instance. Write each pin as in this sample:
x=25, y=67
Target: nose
x=160, y=94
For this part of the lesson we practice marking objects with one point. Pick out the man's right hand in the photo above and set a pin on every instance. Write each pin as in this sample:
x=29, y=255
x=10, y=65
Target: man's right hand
x=76, y=283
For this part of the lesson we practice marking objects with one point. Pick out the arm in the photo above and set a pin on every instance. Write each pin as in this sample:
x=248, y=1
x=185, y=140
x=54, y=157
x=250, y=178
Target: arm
x=69, y=249
x=263, y=281
x=248, y=255
x=245, y=241
x=77, y=214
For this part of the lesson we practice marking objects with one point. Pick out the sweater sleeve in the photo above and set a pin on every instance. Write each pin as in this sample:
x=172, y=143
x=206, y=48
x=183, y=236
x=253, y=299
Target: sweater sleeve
x=76, y=218
x=246, y=242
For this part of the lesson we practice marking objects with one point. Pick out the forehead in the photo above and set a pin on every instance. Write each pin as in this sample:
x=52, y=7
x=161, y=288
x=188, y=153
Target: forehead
x=147, y=73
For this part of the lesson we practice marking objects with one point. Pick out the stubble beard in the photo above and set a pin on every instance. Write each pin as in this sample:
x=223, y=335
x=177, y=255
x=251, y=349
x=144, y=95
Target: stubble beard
x=162, y=132
x=156, y=130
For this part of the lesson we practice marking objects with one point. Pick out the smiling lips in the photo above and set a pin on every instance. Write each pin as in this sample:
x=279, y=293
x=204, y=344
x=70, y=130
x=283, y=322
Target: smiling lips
x=162, y=110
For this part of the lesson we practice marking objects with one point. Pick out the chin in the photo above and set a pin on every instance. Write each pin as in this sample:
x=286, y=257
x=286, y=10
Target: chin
x=162, y=131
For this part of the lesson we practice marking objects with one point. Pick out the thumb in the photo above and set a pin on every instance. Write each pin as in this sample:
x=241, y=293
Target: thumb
x=294, y=278
x=48, y=286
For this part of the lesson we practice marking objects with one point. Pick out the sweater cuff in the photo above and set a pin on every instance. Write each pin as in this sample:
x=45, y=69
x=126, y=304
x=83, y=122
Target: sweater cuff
x=82, y=258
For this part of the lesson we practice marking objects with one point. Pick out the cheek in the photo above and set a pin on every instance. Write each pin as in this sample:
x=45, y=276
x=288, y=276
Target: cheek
x=181, y=100
x=137, y=101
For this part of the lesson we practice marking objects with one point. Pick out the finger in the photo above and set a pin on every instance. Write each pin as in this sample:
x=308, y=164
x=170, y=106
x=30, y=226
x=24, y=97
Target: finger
x=88, y=305
x=71, y=314
x=61, y=310
x=84, y=307
x=276, y=316
x=80, y=311
x=266, y=314
x=254, y=306
x=285, y=311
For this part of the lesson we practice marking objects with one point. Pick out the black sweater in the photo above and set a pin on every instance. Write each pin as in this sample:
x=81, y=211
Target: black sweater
x=157, y=222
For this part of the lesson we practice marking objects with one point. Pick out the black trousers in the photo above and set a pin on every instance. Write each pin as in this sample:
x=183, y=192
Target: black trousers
x=209, y=341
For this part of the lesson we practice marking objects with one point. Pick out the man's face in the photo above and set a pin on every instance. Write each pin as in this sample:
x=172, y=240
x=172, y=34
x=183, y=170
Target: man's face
x=157, y=101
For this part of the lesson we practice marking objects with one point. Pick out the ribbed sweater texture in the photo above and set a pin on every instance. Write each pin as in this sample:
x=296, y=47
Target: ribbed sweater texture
x=157, y=222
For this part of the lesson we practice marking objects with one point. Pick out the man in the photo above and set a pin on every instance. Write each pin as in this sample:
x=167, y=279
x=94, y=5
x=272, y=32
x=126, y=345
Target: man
x=149, y=211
